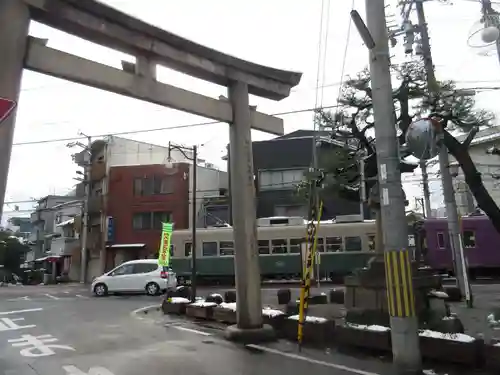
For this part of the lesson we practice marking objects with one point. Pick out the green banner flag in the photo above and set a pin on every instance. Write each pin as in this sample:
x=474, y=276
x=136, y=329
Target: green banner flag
x=164, y=253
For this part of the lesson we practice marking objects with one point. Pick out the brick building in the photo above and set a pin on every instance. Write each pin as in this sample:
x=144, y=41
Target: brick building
x=132, y=190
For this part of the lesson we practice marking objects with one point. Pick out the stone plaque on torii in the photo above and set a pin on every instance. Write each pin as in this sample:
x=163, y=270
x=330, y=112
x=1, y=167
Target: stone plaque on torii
x=105, y=25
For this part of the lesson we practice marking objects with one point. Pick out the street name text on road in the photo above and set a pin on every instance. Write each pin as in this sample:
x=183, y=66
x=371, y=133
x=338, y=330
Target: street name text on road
x=7, y=324
x=38, y=346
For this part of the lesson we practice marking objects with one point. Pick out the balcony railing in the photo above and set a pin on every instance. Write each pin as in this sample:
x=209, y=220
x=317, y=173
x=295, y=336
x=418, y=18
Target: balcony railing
x=61, y=246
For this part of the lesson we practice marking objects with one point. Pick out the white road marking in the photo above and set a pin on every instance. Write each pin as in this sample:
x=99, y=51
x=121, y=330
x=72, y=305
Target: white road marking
x=19, y=311
x=192, y=330
x=66, y=292
x=7, y=324
x=38, y=346
x=73, y=370
x=311, y=360
x=26, y=298
x=80, y=296
x=53, y=297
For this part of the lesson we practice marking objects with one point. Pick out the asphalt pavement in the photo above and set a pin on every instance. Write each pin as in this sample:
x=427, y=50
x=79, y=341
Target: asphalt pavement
x=64, y=330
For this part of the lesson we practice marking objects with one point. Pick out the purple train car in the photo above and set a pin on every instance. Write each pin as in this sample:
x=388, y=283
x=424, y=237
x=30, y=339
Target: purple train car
x=481, y=245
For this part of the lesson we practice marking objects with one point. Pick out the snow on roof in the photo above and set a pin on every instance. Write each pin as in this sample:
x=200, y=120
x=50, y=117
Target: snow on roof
x=67, y=222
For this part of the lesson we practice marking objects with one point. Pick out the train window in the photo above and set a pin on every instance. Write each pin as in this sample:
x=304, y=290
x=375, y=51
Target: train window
x=371, y=242
x=353, y=244
x=279, y=246
x=333, y=244
x=320, y=246
x=209, y=249
x=263, y=246
x=295, y=245
x=187, y=249
x=469, y=239
x=226, y=248
x=440, y=240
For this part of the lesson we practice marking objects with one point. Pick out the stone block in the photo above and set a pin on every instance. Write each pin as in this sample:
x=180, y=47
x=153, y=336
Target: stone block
x=452, y=351
x=360, y=336
x=224, y=315
x=200, y=312
x=173, y=308
x=337, y=296
x=284, y=296
x=491, y=354
x=230, y=296
x=316, y=331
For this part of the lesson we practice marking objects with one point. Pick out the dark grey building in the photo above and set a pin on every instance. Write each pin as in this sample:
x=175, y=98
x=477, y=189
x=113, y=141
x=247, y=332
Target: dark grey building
x=280, y=164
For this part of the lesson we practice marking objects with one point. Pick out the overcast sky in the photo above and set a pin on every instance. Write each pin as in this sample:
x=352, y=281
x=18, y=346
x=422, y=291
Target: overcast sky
x=279, y=33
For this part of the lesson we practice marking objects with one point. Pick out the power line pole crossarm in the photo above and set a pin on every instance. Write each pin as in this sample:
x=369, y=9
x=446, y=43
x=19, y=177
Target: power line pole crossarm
x=444, y=164
x=397, y=259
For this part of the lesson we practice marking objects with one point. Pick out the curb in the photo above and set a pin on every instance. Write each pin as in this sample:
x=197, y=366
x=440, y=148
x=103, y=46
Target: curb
x=144, y=310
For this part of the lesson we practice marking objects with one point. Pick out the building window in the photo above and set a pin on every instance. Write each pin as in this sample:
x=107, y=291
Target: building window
x=226, y=248
x=440, y=240
x=280, y=179
x=154, y=185
x=469, y=239
x=150, y=220
x=209, y=249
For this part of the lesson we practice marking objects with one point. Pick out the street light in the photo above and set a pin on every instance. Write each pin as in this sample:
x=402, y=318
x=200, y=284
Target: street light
x=169, y=164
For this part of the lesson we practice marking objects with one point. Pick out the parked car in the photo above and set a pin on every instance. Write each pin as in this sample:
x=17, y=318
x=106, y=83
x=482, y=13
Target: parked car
x=136, y=276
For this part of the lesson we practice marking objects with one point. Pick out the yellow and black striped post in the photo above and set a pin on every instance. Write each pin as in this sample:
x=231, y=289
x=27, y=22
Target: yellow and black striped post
x=305, y=290
x=398, y=274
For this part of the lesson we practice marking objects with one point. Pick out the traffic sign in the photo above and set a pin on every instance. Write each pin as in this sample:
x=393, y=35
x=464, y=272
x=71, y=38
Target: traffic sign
x=6, y=107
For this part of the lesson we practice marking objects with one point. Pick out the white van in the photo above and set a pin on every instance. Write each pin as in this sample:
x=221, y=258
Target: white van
x=136, y=276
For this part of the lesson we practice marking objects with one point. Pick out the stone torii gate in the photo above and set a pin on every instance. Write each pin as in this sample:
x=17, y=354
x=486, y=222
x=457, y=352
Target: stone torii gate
x=104, y=25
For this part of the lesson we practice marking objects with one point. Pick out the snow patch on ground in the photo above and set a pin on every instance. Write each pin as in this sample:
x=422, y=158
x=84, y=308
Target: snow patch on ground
x=373, y=328
x=178, y=300
x=271, y=313
x=310, y=319
x=228, y=306
x=446, y=336
x=202, y=303
x=439, y=294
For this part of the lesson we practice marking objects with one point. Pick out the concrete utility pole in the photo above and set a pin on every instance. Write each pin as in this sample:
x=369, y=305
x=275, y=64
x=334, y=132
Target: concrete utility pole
x=14, y=25
x=427, y=193
x=85, y=215
x=404, y=324
x=444, y=164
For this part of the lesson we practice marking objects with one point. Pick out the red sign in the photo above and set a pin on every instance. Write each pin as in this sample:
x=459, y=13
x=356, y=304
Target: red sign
x=6, y=107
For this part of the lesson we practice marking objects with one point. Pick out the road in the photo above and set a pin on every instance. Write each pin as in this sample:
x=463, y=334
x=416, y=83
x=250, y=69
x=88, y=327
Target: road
x=65, y=331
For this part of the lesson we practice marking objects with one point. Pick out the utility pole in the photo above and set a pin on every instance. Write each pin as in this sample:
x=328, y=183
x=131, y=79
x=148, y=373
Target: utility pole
x=444, y=164
x=194, y=207
x=427, y=193
x=14, y=25
x=362, y=186
x=85, y=215
x=194, y=215
x=399, y=279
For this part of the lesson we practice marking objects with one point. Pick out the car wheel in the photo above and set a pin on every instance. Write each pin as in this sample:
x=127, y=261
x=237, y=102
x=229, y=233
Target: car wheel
x=152, y=289
x=100, y=290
